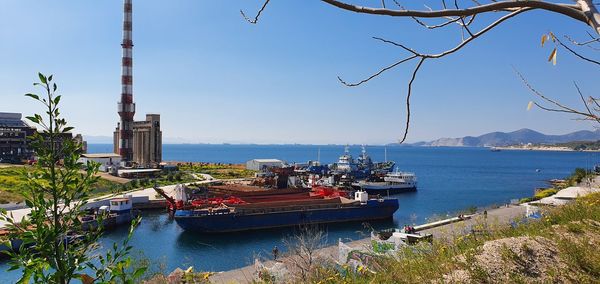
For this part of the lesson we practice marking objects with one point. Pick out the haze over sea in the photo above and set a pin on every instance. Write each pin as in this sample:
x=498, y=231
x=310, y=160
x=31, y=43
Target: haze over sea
x=449, y=180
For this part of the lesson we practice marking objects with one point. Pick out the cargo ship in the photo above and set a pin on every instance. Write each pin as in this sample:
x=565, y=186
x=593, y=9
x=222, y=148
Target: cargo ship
x=279, y=212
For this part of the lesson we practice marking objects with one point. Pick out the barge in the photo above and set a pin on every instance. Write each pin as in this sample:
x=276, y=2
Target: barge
x=287, y=213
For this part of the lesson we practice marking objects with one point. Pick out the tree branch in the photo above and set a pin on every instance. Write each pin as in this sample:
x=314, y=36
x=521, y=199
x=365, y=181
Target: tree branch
x=570, y=10
x=575, y=53
x=255, y=20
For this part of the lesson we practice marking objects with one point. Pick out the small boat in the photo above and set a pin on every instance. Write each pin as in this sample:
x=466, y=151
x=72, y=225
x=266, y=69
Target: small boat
x=393, y=183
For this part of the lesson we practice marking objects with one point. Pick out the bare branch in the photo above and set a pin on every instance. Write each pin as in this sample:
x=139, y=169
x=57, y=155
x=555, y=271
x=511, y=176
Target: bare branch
x=571, y=10
x=560, y=107
x=255, y=20
x=582, y=98
x=377, y=73
x=593, y=40
x=409, y=93
x=575, y=53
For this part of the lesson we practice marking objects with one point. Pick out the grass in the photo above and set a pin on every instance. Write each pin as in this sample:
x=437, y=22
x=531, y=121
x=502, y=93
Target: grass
x=573, y=229
x=12, y=182
x=218, y=170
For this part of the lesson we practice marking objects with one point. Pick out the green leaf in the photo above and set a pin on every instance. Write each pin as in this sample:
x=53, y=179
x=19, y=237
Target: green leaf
x=43, y=78
x=34, y=96
x=57, y=99
x=139, y=272
x=33, y=119
x=50, y=78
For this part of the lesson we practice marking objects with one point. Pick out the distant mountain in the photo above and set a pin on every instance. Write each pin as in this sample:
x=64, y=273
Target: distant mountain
x=521, y=136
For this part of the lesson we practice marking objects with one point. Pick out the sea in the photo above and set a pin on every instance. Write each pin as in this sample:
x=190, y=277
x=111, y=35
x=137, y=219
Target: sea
x=450, y=180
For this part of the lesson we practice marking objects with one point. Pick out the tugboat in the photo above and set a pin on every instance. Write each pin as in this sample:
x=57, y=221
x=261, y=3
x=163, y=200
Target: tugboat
x=119, y=211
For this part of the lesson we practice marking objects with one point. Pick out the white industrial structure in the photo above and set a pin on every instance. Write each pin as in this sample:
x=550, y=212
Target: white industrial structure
x=262, y=164
x=105, y=160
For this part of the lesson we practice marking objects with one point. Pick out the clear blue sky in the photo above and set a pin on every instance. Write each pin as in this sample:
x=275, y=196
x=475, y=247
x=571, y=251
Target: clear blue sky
x=215, y=78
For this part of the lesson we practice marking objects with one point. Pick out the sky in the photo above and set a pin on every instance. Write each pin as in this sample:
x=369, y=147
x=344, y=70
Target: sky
x=215, y=78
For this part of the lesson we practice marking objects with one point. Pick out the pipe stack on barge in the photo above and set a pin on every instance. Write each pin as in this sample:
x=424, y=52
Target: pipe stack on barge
x=273, y=210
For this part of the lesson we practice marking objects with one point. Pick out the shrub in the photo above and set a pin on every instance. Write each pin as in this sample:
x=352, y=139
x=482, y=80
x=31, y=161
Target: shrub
x=545, y=193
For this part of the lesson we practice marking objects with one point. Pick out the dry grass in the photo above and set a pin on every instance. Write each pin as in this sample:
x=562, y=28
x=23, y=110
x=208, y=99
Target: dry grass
x=562, y=247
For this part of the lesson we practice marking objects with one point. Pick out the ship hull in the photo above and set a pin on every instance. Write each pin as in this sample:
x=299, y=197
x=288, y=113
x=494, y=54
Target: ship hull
x=389, y=191
x=373, y=210
x=383, y=188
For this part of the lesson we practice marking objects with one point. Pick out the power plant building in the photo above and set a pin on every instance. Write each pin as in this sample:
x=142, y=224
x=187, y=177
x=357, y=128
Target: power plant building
x=147, y=141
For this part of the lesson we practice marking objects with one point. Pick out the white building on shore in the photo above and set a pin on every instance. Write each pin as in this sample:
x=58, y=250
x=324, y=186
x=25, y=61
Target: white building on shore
x=105, y=160
x=262, y=164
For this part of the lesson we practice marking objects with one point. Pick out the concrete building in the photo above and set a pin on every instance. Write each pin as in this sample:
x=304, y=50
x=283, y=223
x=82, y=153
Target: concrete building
x=105, y=160
x=13, y=138
x=263, y=164
x=147, y=141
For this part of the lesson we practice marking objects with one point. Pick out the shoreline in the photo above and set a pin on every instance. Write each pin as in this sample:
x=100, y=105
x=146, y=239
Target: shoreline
x=540, y=148
x=501, y=215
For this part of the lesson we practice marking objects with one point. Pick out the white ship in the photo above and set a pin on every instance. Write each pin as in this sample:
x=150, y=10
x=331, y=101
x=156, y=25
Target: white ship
x=394, y=182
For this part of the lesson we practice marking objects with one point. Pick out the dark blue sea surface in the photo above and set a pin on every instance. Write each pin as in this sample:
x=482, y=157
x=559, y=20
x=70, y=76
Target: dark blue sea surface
x=449, y=180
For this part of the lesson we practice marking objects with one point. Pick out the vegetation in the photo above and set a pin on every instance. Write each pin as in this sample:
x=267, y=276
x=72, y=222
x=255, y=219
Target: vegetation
x=12, y=183
x=545, y=193
x=218, y=170
x=54, y=250
x=581, y=145
x=578, y=175
x=561, y=247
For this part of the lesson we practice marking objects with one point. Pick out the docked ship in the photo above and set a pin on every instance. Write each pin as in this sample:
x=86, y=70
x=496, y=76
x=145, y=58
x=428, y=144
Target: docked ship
x=393, y=183
x=362, y=167
x=280, y=212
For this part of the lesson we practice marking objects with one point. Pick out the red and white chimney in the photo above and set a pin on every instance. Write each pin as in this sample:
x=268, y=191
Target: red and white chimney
x=126, y=106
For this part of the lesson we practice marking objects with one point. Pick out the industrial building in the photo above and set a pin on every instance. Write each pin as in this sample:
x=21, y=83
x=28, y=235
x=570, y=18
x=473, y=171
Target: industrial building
x=13, y=138
x=138, y=143
x=263, y=164
x=147, y=141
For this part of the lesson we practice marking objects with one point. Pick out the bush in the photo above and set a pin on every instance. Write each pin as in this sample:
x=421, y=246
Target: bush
x=545, y=193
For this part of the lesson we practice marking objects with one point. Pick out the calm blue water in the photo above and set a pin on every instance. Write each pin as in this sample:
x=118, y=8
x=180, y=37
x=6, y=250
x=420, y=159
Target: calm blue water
x=450, y=179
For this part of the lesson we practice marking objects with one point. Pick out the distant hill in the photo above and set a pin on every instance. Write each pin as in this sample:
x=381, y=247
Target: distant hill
x=521, y=136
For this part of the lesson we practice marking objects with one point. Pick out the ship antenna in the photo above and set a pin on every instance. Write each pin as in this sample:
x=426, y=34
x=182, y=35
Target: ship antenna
x=319, y=155
x=385, y=154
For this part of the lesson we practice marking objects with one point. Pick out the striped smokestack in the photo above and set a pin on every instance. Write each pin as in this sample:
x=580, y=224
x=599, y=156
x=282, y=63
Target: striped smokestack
x=126, y=107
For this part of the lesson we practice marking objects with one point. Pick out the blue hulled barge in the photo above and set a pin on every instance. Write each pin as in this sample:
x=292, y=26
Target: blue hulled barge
x=243, y=217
